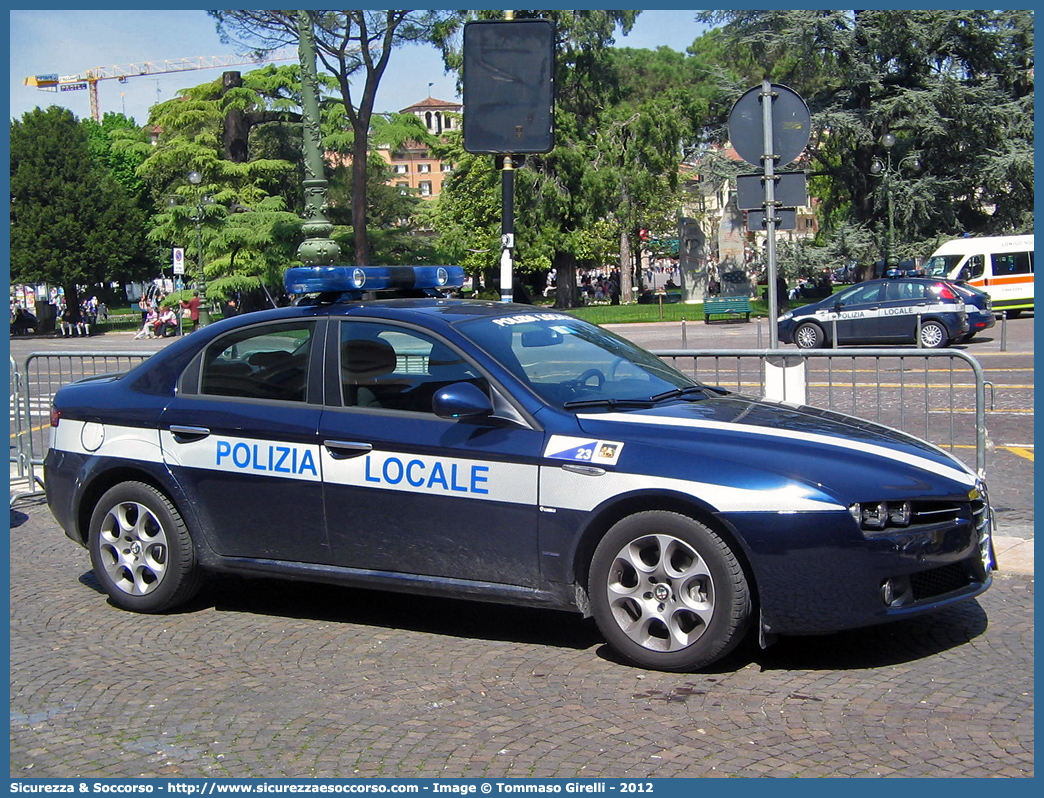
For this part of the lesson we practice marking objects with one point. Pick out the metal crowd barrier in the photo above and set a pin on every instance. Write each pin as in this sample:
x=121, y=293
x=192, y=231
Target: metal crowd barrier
x=31, y=390
x=901, y=388
x=19, y=416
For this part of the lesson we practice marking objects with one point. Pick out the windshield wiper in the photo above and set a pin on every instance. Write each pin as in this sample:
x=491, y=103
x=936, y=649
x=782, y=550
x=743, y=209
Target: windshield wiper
x=681, y=393
x=613, y=403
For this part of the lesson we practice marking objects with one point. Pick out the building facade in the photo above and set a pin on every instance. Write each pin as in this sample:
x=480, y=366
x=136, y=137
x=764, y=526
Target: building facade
x=716, y=241
x=414, y=168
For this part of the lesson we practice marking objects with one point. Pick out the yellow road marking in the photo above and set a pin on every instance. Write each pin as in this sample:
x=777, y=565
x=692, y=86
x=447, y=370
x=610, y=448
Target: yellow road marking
x=1021, y=451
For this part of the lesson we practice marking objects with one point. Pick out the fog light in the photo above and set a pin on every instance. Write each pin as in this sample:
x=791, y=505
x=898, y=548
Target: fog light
x=888, y=592
x=900, y=513
x=874, y=516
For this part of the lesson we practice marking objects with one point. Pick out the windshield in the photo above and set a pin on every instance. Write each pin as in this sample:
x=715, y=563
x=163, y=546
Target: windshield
x=571, y=364
x=941, y=265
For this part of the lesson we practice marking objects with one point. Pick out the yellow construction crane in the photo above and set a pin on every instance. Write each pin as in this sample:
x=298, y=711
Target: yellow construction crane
x=89, y=79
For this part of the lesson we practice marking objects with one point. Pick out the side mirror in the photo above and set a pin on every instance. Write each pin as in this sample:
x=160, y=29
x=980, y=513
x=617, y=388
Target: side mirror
x=461, y=400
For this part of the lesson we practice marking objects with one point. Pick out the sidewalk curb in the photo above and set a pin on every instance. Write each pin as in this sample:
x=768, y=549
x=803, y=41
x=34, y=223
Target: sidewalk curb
x=1014, y=555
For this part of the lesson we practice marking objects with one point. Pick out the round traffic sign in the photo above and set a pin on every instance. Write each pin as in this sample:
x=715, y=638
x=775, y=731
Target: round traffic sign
x=791, y=125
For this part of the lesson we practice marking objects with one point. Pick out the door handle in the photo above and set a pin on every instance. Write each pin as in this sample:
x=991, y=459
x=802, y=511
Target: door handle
x=188, y=434
x=586, y=470
x=342, y=450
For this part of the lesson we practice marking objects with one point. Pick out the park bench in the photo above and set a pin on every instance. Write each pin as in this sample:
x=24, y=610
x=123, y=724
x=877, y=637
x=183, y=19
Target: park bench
x=726, y=308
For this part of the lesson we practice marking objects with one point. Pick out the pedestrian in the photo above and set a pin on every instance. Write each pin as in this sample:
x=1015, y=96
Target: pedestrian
x=69, y=321
x=168, y=321
x=193, y=308
x=148, y=328
x=782, y=295
x=23, y=322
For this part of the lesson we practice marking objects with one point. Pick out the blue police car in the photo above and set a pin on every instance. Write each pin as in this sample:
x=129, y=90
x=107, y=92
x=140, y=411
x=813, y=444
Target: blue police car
x=901, y=310
x=506, y=453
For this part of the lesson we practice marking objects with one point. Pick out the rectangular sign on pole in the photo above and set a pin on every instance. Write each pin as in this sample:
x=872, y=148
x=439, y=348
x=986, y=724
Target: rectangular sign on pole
x=790, y=190
x=786, y=219
x=509, y=86
x=179, y=260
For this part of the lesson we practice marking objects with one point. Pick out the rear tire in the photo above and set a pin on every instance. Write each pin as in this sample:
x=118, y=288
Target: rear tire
x=809, y=336
x=933, y=335
x=667, y=592
x=141, y=550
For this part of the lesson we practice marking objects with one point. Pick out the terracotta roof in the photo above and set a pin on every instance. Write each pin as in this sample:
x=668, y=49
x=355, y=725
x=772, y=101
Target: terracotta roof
x=431, y=102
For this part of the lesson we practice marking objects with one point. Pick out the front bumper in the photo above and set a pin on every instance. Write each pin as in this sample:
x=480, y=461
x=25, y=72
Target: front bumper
x=818, y=573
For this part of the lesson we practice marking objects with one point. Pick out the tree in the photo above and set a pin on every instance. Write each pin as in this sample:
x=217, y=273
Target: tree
x=954, y=87
x=347, y=42
x=640, y=142
x=72, y=224
x=241, y=133
x=121, y=163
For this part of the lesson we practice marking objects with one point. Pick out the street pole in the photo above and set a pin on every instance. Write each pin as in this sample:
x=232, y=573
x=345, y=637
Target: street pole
x=891, y=261
x=195, y=178
x=507, y=221
x=507, y=229
x=768, y=160
x=317, y=248
x=887, y=172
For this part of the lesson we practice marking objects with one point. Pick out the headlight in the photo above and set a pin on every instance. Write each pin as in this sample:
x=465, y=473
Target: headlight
x=786, y=316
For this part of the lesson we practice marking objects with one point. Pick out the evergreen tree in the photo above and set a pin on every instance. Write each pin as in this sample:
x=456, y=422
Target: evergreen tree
x=348, y=44
x=72, y=223
x=955, y=88
x=249, y=171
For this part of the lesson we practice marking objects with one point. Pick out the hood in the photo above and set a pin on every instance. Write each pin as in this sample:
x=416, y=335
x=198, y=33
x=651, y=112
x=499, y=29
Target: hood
x=814, y=446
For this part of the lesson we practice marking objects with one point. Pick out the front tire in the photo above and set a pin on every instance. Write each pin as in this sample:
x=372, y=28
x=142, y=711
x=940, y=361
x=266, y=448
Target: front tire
x=809, y=336
x=141, y=550
x=667, y=592
x=933, y=335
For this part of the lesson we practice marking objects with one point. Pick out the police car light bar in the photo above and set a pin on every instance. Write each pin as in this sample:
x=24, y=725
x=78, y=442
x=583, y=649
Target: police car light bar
x=324, y=279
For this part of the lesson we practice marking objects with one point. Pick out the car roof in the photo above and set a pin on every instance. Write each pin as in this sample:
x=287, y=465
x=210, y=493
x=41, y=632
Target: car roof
x=432, y=312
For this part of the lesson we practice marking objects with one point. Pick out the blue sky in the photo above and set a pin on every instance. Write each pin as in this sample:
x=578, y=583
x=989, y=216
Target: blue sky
x=71, y=41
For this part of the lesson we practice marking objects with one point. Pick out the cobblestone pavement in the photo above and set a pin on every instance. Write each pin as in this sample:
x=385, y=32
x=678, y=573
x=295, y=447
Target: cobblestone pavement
x=265, y=679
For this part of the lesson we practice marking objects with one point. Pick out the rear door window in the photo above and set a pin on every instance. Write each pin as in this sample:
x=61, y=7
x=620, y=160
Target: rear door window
x=268, y=362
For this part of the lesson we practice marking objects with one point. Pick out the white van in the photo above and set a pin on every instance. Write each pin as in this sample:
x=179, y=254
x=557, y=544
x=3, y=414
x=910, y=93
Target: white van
x=1002, y=266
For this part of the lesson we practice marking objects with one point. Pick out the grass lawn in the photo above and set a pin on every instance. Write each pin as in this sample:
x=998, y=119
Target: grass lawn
x=678, y=311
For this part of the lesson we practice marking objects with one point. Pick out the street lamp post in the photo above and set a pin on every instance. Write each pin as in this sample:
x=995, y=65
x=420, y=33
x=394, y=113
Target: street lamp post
x=202, y=200
x=885, y=171
x=317, y=248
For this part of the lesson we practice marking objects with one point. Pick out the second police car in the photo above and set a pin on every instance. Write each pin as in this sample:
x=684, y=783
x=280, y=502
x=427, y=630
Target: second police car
x=505, y=453
x=904, y=310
